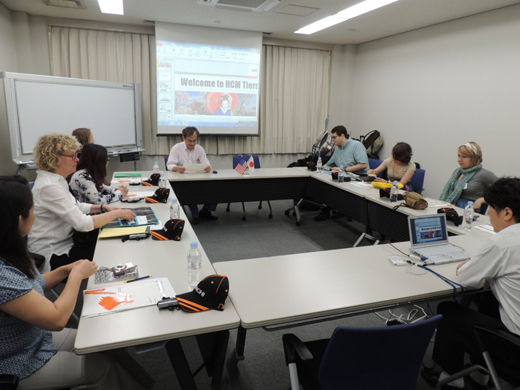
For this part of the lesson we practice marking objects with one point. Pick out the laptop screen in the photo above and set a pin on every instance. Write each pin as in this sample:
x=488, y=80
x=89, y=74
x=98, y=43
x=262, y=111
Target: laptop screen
x=428, y=229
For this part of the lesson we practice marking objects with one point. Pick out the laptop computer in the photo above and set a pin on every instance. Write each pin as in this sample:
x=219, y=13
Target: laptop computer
x=429, y=239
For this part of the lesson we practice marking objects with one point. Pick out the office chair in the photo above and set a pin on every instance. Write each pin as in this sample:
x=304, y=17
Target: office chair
x=374, y=358
x=166, y=163
x=417, y=180
x=497, y=347
x=373, y=163
x=236, y=159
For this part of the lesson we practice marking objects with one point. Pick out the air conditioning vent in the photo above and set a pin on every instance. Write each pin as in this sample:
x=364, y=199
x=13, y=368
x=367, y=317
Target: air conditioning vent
x=249, y=5
x=77, y=4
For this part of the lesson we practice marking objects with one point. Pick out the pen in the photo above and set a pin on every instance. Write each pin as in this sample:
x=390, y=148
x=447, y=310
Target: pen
x=140, y=278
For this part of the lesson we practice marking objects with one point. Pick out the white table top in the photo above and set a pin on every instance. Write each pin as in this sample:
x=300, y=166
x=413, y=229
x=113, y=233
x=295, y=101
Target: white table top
x=265, y=291
x=282, y=289
x=146, y=325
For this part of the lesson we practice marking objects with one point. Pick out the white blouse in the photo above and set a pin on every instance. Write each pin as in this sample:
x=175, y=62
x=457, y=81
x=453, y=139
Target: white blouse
x=498, y=264
x=57, y=214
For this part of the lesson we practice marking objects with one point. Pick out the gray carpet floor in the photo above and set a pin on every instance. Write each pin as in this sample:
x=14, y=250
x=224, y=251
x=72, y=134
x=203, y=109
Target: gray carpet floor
x=230, y=238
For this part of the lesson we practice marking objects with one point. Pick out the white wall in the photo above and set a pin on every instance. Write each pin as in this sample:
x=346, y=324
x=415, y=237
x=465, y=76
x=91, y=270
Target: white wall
x=441, y=86
x=32, y=43
x=435, y=88
x=342, y=77
x=8, y=62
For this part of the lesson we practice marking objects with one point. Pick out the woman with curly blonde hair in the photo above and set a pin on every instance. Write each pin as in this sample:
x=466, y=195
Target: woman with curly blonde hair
x=60, y=219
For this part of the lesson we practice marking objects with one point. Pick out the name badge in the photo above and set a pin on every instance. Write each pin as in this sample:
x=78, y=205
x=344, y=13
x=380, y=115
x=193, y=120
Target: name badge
x=466, y=186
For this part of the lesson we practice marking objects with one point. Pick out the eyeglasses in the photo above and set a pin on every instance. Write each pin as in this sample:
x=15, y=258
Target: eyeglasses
x=72, y=156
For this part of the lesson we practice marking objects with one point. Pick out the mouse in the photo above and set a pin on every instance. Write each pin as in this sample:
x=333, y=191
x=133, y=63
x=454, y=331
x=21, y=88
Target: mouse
x=215, y=172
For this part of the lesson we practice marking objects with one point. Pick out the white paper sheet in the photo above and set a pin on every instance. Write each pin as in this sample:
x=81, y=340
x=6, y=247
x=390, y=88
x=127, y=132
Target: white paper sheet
x=146, y=292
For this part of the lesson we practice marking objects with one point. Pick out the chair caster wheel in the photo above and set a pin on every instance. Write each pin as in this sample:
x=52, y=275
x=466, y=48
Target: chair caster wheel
x=287, y=212
x=270, y=216
x=298, y=223
x=243, y=218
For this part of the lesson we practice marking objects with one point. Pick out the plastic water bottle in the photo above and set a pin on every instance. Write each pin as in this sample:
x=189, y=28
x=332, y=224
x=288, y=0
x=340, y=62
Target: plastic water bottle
x=194, y=265
x=341, y=174
x=156, y=168
x=469, y=212
x=394, y=192
x=163, y=182
x=175, y=209
x=319, y=164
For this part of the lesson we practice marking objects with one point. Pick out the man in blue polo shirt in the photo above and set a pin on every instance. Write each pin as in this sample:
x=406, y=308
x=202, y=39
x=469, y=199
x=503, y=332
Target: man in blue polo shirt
x=349, y=155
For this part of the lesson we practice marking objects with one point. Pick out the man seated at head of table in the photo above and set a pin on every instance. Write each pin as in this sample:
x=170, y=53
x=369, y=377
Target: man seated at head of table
x=60, y=218
x=497, y=265
x=349, y=155
x=190, y=152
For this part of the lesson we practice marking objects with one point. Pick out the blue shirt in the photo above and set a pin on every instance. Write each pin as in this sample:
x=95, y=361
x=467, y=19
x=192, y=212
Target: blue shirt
x=24, y=348
x=351, y=154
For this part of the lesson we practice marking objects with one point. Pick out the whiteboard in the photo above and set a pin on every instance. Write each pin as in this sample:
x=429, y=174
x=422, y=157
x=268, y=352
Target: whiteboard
x=39, y=105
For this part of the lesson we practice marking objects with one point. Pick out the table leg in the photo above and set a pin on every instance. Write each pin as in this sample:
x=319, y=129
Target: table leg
x=135, y=370
x=213, y=348
x=241, y=343
x=180, y=365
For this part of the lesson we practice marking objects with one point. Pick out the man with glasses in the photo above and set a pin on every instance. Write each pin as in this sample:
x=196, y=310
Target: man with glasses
x=190, y=152
x=349, y=155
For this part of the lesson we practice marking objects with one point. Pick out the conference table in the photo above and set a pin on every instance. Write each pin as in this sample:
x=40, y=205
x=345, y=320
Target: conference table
x=294, y=288
x=320, y=284
x=356, y=200
x=297, y=287
x=147, y=325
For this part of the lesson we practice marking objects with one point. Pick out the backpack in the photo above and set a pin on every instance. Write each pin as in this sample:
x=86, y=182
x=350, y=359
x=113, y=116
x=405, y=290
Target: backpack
x=373, y=142
x=323, y=148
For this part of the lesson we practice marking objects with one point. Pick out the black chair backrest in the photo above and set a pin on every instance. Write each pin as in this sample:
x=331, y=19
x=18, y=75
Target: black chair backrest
x=376, y=357
x=504, y=349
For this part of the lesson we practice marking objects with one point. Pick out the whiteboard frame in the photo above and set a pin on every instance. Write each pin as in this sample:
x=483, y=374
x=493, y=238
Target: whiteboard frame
x=15, y=135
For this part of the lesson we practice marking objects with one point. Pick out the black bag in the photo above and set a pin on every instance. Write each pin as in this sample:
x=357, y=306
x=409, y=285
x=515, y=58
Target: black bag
x=451, y=215
x=373, y=142
x=321, y=148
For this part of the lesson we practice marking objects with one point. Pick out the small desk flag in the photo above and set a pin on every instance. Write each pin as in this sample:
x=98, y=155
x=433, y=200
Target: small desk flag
x=241, y=166
x=251, y=164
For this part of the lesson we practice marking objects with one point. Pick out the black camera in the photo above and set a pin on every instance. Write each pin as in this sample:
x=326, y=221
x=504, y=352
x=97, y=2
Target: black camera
x=168, y=303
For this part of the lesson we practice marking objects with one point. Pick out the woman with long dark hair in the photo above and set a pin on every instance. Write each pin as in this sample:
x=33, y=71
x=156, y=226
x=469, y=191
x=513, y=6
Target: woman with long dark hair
x=87, y=184
x=28, y=349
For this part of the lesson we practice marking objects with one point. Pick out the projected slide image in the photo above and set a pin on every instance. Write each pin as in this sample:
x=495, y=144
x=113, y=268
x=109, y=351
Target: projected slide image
x=190, y=103
x=210, y=85
x=237, y=104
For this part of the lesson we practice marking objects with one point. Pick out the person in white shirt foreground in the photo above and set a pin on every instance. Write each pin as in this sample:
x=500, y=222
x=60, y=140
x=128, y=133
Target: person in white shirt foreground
x=496, y=265
x=59, y=215
x=190, y=152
